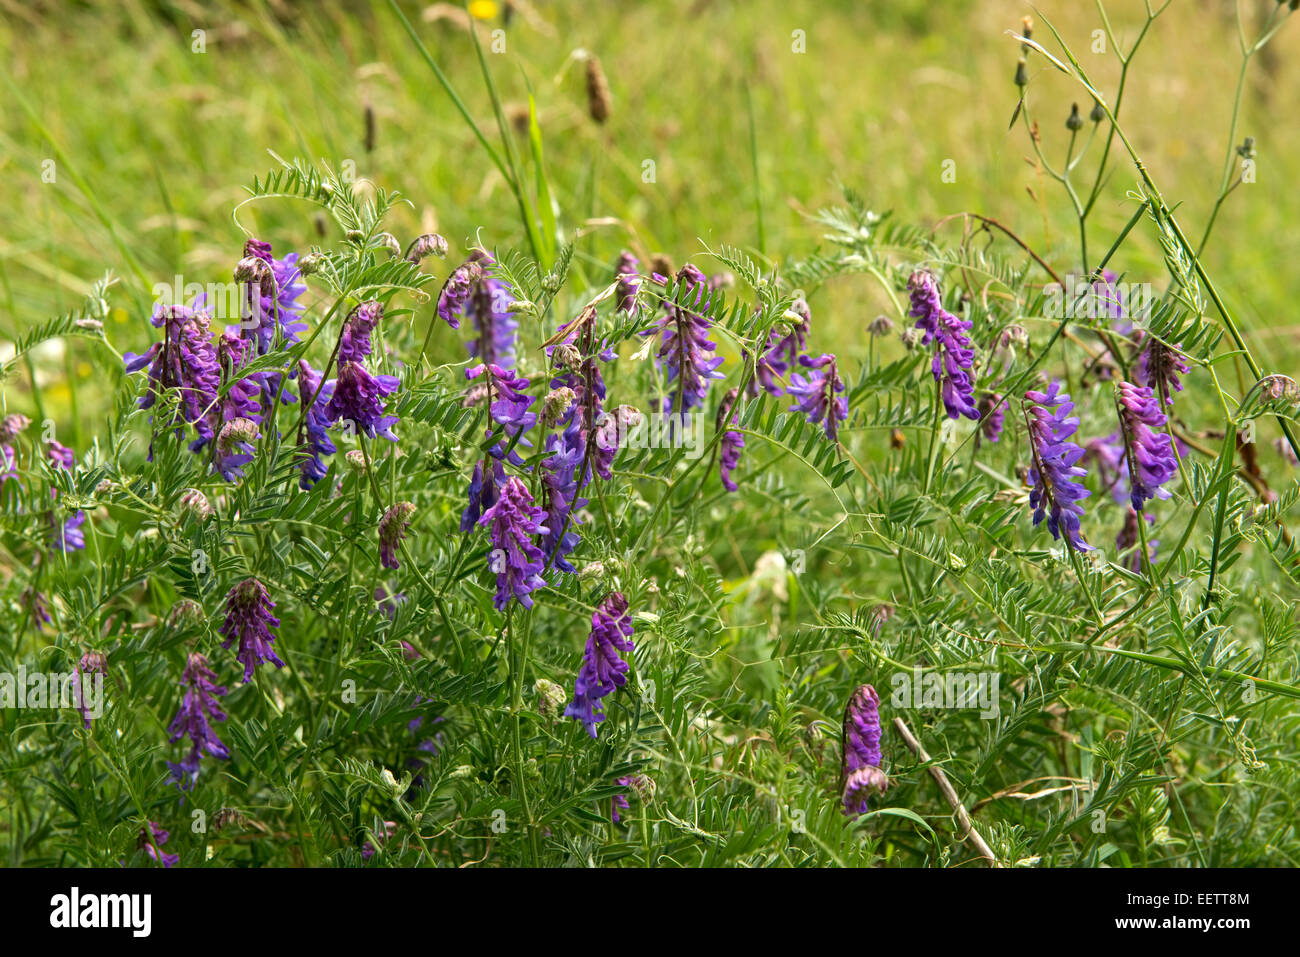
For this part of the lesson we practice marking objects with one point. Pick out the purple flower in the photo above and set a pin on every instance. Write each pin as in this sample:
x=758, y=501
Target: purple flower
x=953, y=356
x=482, y=493
x=1056, y=493
x=184, y=363
x=38, y=607
x=815, y=395
x=273, y=297
x=1106, y=456
x=508, y=405
x=198, y=706
x=392, y=529
x=603, y=670
x=249, y=620
x=456, y=291
x=513, y=521
x=10, y=427
x=860, y=743
x=1149, y=454
x=240, y=403
x=354, y=342
x=153, y=846
x=560, y=494
x=489, y=308
x=314, y=440
x=1161, y=368
x=685, y=350
x=782, y=352
x=628, y=282
x=358, y=397
x=368, y=849
x=732, y=441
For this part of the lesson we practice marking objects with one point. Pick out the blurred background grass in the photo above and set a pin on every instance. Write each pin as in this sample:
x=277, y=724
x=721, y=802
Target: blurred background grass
x=152, y=141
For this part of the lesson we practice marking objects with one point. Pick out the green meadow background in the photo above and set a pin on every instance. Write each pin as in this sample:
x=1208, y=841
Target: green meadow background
x=152, y=141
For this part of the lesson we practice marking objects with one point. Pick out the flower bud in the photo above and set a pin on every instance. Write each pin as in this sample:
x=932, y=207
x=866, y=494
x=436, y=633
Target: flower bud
x=551, y=698
x=195, y=503
x=1074, y=122
x=881, y=326
x=356, y=460
x=430, y=244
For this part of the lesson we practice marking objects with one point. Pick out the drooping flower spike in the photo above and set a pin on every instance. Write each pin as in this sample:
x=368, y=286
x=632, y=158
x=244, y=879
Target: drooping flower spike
x=1056, y=492
x=685, y=350
x=603, y=670
x=185, y=364
x=783, y=350
x=954, y=356
x=513, y=521
x=199, y=706
x=1148, y=450
x=154, y=847
x=249, y=621
x=860, y=755
x=732, y=441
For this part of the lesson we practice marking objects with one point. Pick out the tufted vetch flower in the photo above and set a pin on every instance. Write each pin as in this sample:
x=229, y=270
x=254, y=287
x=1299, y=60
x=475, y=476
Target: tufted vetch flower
x=249, y=622
x=1056, y=492
x=603, y=669
x=953, y=356
x=513, y=520
x=860, y=757
x=199, y=707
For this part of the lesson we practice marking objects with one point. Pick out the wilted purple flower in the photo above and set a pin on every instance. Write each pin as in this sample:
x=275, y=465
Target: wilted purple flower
x=314, y=441
x=685, y=350
x=198, y=706
x=249, y=620
x=603, y=670
x=1161, y=368
x=953, y=356
x=392, y=529
x=154, y=847
x=611, y=428
x=732, y=441
x=815, y=395
x=185, y=362
x=628, y=282
x=1149, y=454
x=860, y=772
x=992, y=415
x=513, y=521
x=1056, y=493
x=358, y=397
x=91, y=663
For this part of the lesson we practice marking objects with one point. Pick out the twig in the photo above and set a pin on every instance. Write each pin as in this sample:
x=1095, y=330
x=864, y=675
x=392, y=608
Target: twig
x=949, y=794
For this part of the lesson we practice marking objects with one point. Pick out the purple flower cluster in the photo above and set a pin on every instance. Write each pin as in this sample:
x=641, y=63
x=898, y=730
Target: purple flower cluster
x=271, y=294
x=1149, y=454
x=183, y=364
x=1056, y=492
x=860, y=772
x=732, y=441
x=475, y=290
x=91, y=663
x=513, y=520
x=358, y=395
x=249, y=621
x=685, y=350
x=816, y=396
x=198, y=706
x=953, y=357
x=314, y=439
x=603, y=669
